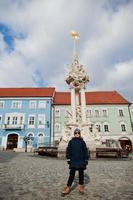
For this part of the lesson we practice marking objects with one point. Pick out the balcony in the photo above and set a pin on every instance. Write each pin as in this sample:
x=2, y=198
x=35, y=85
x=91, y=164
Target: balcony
x=13, y=126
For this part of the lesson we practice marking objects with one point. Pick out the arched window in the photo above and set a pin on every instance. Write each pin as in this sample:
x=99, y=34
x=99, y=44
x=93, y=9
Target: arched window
x=98, y=127
x=41, y=139
x=30, y=135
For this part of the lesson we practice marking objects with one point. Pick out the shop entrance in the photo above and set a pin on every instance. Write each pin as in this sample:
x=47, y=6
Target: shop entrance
x=12, y=141
x=126, y=144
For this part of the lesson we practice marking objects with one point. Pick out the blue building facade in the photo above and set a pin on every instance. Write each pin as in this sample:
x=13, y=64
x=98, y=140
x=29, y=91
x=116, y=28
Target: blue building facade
x=28, y=114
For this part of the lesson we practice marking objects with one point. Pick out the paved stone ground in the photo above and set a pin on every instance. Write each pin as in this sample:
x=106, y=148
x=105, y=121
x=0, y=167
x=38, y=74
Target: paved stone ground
x=24, y=176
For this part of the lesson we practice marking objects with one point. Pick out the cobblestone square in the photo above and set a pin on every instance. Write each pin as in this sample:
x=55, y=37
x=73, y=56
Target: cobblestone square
x=25, y=176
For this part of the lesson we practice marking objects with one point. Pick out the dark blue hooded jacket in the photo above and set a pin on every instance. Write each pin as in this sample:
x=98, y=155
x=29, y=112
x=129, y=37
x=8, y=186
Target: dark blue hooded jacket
x=77, y=153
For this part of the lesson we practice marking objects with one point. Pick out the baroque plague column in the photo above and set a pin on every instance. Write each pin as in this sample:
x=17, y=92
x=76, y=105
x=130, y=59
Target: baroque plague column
x=76, y=79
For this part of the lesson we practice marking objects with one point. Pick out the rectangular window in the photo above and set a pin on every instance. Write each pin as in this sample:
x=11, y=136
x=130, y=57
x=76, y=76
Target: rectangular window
x=14, y=120
x=42, y=104
x=16, y=104
x=31, y=120
x=88, y=113
x=123, y=127
x=8, y=120
x=106, y=128
x=57, y=113
x=32, y=104
x=121, y=113
x=97, y=113
x=21, y=120
x=41, y=120
x=1, y=104
x=104, y=113
x=57, y=127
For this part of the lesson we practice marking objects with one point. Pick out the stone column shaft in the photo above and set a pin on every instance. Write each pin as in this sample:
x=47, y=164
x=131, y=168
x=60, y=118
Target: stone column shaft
x=77, y=98
x=73, y=105
x=83, y=105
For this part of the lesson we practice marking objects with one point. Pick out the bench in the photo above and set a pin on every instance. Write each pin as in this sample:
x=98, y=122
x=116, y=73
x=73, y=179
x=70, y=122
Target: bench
x=46, y=151
x=108, y=152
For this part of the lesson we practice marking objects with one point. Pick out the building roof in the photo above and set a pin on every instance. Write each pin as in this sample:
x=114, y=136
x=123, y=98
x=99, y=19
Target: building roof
x=27, y=92
x=64, y=98
x=92, y=98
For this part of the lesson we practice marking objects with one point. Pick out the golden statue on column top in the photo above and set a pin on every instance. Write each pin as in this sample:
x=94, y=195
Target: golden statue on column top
x=74, y=35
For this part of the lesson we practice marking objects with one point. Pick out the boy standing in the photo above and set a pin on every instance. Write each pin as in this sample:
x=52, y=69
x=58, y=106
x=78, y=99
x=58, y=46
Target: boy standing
x=77, y=158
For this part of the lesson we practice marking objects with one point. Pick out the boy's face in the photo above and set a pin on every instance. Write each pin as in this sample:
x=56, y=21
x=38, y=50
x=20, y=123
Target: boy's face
x=77, y=135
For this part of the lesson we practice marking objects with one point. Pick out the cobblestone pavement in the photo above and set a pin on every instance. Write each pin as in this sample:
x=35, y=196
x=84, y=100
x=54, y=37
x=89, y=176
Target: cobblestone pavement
x=24, y=176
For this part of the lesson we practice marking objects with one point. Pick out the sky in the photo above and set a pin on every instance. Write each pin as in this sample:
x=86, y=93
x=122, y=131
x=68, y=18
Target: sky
x=36, y=47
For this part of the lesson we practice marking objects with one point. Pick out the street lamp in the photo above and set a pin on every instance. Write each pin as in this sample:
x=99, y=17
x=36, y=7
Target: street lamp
x=26, y=139
x=48, y=124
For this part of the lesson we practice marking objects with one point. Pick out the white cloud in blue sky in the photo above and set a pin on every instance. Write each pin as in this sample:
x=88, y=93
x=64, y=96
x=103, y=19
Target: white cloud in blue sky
x=35, y=47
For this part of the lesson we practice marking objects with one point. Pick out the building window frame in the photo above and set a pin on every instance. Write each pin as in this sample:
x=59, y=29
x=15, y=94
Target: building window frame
x=14, y=118
x=16, y=104
x=2, y=104
x=123, y=127
x=98, y=127
x=106, y=127
x=1, y=119
x=42, y=104
x=31, y=121
x=89, y=113
x=41, y=139
x=30, y=142
x=104, y=112
x=57, y=127
x=57, y=112
x=120, y=112
x=32, y=104
x=97, y=113
x=41, y=120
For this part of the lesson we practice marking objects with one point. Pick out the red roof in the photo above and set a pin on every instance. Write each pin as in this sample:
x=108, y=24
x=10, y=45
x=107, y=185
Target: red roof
x=62, y=98
x=27, y=92
x=92, y=98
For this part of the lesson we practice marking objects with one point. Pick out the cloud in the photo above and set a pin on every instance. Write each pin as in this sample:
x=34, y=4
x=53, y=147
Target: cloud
x=42, y=48
x=2, y=44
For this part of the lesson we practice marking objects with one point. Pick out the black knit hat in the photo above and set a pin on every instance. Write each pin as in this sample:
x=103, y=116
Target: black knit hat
x=77, y=130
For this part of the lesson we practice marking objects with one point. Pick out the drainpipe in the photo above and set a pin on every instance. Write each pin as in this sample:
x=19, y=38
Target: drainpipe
x=50, y=121
x=52, y=124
